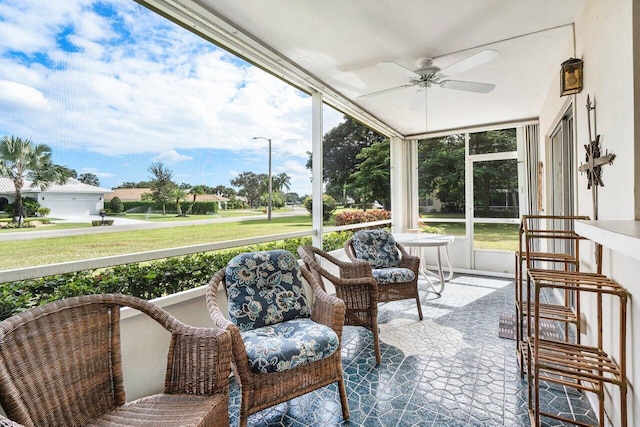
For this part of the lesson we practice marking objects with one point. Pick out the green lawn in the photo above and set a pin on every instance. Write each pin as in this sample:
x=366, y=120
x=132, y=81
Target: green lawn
x=503, y=237
x=24, y=253
x=158, y=217
x=57, y=224
x=52, y=226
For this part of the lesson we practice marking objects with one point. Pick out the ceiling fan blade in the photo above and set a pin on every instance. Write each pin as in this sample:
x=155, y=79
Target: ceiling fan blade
x=399, y=69
x=467, y=86
x=380, y=92
x=470, y=62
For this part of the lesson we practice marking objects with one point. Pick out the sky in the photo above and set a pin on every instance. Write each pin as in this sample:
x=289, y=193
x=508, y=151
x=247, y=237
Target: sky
x=112, y=87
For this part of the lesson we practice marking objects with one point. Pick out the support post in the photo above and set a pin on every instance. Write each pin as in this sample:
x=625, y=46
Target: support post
x=316, y=164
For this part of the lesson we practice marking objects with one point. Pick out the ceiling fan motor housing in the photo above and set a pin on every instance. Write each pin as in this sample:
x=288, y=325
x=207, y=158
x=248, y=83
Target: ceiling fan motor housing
x=426, y=69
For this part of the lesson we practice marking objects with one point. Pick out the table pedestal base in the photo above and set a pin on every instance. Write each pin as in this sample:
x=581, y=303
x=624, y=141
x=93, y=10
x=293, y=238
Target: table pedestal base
x=417, y=243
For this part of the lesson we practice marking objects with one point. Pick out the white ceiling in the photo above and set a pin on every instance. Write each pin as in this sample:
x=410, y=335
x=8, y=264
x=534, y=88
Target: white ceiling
x=340, y=43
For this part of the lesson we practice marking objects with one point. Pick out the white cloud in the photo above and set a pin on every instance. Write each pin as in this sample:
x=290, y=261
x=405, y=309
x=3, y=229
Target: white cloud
x=170, y=157
x=18, y=95
x=174, y=90
x=30, y=25
x=152, y=88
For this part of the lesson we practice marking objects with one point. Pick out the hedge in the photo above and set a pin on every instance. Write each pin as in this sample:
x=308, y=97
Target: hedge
x=145, y=280
x=358, y=217
x=199, y=208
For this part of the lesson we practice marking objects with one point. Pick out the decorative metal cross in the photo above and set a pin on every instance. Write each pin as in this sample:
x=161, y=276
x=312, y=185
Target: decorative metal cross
x=594, y=161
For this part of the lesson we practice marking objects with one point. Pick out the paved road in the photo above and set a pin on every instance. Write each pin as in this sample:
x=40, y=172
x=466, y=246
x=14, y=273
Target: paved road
x=125, y=224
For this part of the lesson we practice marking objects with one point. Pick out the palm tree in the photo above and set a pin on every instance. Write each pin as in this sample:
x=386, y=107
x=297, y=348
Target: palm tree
x=195, y=191
x=178, y=194
x=280, y=181
x=161, y=184
x=21, y=159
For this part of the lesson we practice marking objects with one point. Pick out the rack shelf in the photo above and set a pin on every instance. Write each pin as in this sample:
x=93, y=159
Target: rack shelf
x=562, y=250
x=576, y=365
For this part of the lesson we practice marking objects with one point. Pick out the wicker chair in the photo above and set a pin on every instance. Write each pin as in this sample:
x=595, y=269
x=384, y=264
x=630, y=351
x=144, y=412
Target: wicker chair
x=61, y=365
x=393, y=268
x=275, y=281
x=354, y=285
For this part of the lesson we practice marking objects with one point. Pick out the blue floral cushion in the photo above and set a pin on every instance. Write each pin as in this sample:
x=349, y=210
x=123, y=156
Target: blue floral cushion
x=265, y=288
x=385, y=276
x=283, y=346
x=377, y=247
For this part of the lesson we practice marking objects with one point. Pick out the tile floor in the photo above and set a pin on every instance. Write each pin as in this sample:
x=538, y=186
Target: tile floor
x=451, y=369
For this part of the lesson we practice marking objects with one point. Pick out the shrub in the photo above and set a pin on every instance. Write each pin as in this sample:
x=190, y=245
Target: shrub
x=141, y=207
x=329, y=206
x=359, y=217
x=43, y=211
x=199, y=208
x=102, y=222
x=25, y=224
x=145, y=280
x=30, y=206
x=116, y=206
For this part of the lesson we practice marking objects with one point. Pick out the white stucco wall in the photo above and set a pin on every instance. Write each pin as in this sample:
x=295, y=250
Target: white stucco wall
x=604, y=41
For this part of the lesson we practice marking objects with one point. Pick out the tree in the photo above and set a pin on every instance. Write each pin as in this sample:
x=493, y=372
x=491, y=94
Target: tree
x=281, y=181
x=495, y=182
x=129, y=184
x=371, y=178
x=341, y=146
x=21, y=159
x=161, y=184
x=293, y=198
x=223, y=191
x=178, y=195
x=89, y=179
x=441, y=171
x=116, y=205
x=195, y=191
x=329, y=206
x=252, y=186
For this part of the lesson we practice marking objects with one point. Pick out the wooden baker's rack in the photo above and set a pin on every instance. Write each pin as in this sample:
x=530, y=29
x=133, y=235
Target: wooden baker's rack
x=534, y=232
x=565, y=361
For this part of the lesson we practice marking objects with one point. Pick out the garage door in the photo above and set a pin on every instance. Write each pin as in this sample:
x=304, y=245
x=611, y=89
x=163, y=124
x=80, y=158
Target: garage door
x=69, y=204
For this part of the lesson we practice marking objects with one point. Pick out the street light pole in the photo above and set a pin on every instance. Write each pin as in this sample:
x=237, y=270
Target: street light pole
x=270, y=183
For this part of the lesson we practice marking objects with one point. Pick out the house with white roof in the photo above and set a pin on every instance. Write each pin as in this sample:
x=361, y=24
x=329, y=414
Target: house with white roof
x=72, y=198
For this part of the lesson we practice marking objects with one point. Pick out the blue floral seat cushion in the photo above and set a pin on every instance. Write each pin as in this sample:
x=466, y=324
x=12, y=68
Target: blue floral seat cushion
x=265, y=288
x=286, y=345
x=377, y=247
x=385, y=276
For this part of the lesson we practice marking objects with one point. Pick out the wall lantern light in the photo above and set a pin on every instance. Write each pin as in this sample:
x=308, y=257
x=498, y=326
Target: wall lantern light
x=571, y=76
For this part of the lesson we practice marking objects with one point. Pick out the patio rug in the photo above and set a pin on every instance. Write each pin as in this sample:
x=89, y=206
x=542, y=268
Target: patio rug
x=507, y=328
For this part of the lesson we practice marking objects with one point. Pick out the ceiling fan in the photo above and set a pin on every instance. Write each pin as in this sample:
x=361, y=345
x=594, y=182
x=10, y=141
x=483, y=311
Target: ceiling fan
x=427, y=75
